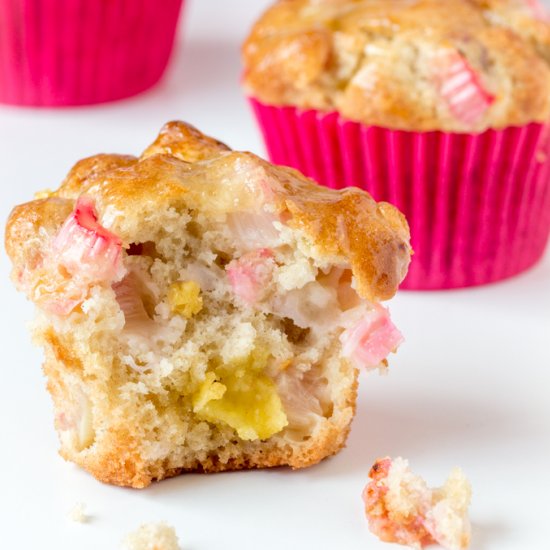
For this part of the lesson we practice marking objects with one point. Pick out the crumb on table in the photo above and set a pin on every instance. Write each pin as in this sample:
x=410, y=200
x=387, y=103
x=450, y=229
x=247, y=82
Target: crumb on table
x=401, y=508
x=152, y=536
x=78, y=513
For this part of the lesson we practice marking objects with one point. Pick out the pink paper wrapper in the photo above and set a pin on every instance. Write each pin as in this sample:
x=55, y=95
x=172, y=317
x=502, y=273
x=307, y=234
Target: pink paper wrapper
x=478, y=205
x=76, y=52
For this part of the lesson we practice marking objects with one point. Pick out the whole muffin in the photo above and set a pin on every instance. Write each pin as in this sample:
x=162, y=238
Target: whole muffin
x=437, y=106
x=79, y=52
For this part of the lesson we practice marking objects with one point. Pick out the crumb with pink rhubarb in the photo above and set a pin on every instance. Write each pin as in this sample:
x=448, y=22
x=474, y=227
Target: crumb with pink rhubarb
x=401, y=508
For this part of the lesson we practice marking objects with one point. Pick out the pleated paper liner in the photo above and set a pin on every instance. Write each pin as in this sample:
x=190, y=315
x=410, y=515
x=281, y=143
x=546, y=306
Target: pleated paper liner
x=76, y=52
x=478, y=205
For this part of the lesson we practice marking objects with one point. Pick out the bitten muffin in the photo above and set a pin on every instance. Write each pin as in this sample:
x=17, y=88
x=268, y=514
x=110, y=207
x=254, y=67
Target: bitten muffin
x=452, y=65
x=204, y=310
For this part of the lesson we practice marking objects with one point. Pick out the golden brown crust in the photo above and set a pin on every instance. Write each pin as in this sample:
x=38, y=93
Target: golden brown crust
x=348, y=223
x=184, y=142
x=86, y=168
x=26, y=221
x=121, y=467
x=373, y=236
x=373, y=60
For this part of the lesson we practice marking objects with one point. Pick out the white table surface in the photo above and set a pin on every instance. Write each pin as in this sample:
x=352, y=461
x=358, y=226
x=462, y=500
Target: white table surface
x=470, y=387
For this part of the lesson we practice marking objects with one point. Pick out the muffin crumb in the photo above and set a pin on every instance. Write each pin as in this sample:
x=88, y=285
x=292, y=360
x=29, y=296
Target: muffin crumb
x=401, y=508
x=152, y=536
x=78, y=513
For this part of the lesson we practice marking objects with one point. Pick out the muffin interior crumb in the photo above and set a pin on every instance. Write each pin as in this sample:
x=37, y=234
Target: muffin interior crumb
x=185, y=350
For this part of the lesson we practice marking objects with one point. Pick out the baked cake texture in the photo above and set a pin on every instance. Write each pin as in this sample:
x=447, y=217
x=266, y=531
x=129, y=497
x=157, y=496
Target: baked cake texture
x=152, y=536
x=452, y=65
x=401, y=508
x=204, y=310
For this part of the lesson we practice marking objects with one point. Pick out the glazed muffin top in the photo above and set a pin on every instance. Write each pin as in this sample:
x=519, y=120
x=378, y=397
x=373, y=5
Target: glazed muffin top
x=451, y=65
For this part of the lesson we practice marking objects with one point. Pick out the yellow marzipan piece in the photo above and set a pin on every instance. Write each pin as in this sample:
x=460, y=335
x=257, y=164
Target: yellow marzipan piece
x=184, y=298
x=241, y=396
x=209, y=390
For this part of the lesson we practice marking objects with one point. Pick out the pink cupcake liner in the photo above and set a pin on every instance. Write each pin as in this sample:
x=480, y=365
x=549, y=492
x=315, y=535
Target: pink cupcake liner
x=77, y=52
x=478, y=205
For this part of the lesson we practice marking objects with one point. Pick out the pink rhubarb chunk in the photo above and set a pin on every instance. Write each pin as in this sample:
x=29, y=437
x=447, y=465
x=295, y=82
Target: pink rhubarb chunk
x=250, y=273
x=64, y=300
x=462, y=89
x=537, y=10
x=371, y=340
x=85, y=248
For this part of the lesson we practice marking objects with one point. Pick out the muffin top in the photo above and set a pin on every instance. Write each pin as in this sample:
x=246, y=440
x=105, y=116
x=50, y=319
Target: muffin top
x=451, y=65
x=183, y=166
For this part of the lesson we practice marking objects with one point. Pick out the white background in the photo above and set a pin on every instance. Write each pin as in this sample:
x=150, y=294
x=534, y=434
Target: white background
x=470, y=387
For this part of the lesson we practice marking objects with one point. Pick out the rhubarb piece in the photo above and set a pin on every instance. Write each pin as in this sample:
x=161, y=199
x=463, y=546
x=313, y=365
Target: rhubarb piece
x=250, y=274
x=81, y=254
x=371, y=339
x=538, y=10
x=85, y=248
x=461, y=88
